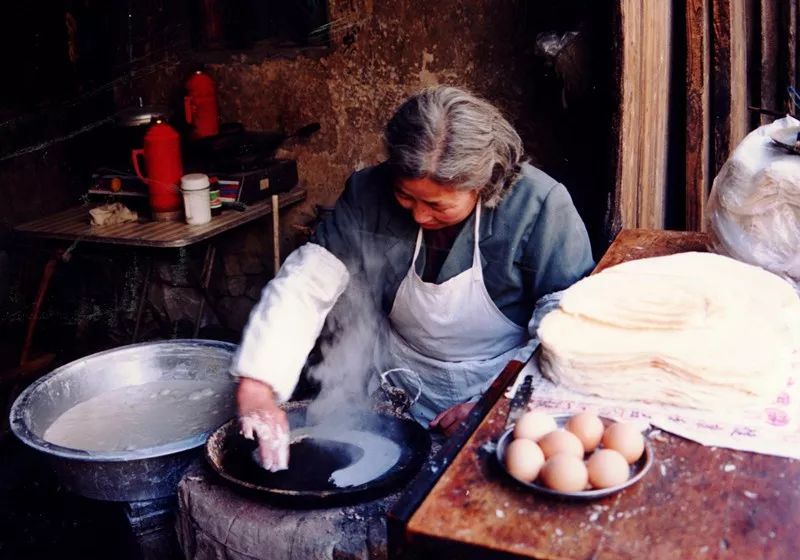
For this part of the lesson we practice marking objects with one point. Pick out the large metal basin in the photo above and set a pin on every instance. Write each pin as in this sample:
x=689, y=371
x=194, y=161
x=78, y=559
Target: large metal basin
x=143, y=474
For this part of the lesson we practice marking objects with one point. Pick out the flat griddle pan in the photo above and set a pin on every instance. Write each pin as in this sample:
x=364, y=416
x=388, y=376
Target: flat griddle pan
x=305, y=484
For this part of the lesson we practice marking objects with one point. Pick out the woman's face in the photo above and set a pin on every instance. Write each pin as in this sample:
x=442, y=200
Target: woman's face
x=434, y=205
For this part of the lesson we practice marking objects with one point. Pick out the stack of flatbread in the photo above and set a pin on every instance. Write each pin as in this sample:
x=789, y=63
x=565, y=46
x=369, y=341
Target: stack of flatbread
x=694, y=329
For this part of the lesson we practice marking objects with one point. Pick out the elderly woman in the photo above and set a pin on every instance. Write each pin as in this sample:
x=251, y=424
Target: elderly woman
x=458, y=238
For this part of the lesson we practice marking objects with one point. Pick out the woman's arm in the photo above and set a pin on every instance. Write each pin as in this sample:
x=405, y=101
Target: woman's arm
x=558, y=254
x=287, y=320
x=283, y=328
x=558, y=251
x=284, y=325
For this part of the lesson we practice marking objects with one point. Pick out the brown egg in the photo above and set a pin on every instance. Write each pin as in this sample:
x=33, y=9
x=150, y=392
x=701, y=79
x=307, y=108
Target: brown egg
x=524, y=459
x=626, y=439
x=607, y=468
x=533, y=425
x=564, y=472
x=561, y=441
x=589, y=429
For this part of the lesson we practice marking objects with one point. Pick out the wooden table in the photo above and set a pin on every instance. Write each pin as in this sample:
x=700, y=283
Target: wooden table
x=696, y=502
x=73, y=226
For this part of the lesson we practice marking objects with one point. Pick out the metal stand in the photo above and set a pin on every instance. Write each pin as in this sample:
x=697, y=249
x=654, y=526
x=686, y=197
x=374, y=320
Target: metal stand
x=44, y=284
x=205, y=280
x=142, y=299
x=152, y=525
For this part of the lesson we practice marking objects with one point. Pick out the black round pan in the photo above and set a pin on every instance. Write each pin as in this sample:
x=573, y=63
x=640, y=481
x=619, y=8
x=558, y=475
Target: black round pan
x=305, y=484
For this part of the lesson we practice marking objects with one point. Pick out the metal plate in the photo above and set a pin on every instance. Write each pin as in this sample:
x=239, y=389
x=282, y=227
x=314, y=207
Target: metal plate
x=126, y=476
x=638, y=469
x=50, y=396
x=306, y=484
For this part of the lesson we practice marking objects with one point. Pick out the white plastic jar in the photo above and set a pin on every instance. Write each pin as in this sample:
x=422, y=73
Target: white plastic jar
x=196, y=201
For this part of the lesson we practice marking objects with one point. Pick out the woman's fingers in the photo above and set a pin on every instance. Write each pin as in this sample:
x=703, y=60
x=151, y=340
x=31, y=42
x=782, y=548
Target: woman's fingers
x=274, y=453
x=436, y=421
x=271, y=430
x=246, y=427
x=448, y=420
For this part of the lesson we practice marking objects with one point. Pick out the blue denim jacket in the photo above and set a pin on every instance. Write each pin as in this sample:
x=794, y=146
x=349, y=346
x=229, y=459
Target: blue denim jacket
x=532, y=243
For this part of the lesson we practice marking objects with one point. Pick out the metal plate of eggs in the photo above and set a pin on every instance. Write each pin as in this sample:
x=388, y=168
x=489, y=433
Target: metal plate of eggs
x=581, y=456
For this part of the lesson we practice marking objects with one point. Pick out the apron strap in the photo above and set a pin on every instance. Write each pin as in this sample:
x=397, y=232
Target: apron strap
x=476, y=252
x=416, y=249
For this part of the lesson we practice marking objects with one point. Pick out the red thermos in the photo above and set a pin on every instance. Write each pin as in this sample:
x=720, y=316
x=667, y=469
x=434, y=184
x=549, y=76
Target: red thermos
x=200, y=105
x=162, y=155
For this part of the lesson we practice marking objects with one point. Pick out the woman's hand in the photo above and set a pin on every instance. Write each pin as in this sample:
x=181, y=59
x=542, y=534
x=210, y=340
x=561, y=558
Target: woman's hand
x=449, y=420
x=261, y=419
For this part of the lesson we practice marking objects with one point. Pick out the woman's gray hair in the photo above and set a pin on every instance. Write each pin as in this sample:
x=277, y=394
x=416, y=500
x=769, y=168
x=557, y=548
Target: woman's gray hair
x=452, y=137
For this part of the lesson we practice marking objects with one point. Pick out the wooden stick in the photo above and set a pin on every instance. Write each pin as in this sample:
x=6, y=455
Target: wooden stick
x=791, y=55
x=643, y=78
x=33, y=319
x=770, y=97
x=698, y=114
x=205, y=280
x=276, y=240
x=729, y=93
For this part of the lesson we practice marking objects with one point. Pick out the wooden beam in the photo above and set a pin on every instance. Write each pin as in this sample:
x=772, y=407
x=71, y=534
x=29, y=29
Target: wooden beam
x=770, y=98
x=698, y=119
x=630, y=112
x=740, y=91
x=656, y=33
x=729, y=85
x=276, y=236
x=643, y=78
x=791, y=52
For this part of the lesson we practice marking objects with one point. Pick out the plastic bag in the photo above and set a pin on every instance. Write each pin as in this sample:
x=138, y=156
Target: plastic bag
x=754, y=208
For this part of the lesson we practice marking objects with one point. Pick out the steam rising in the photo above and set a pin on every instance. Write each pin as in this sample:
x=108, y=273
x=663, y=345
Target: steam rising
x=348, y=357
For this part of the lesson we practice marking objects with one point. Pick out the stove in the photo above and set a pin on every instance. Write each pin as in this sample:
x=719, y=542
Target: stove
x=246, y=159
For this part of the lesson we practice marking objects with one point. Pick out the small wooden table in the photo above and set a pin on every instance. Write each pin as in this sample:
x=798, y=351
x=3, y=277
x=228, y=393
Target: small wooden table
x=696, y=502
x=73, y=226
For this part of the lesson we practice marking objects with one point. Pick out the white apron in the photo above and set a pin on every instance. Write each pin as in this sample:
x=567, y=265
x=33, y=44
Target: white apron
x=451, y=334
